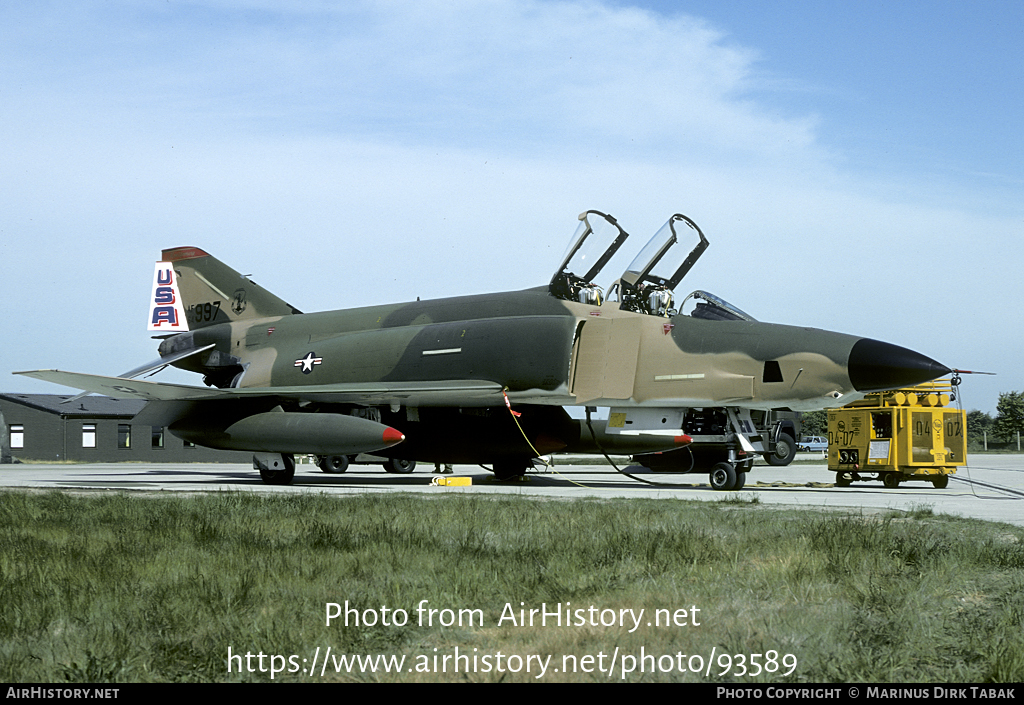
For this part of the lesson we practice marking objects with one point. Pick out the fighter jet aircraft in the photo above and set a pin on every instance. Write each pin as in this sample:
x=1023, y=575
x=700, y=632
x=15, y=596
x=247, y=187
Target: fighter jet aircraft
x=486, y=379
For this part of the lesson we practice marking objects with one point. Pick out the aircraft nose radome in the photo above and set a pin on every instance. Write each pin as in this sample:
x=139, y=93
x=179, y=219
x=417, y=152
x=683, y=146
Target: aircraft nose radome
x=875, y=366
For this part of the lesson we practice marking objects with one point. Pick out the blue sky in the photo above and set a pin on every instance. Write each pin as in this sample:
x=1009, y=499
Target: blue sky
x=856, y=167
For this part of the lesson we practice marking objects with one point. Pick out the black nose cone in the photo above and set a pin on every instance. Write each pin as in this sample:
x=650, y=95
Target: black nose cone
x=875, y=366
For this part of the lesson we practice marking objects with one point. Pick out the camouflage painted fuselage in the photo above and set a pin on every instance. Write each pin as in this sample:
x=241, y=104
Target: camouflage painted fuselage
x=547, y=353
x=543, y=350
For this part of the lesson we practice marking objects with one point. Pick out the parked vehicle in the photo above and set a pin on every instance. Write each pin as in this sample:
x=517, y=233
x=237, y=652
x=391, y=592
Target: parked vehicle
x=818, y=444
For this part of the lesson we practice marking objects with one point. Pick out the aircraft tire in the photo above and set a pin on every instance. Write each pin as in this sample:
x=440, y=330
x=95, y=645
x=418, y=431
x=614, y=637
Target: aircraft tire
x=401, y=467
x=787, y=446
x=334, y=464
x=891, y=480
x=508, y=469
x=280, y=477
x=723, y=476
x=940, y=482
x=741, y=480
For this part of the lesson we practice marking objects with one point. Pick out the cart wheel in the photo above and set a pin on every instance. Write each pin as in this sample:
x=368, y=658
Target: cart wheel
x=843, y=479
x=940, y=482
x=891, y=480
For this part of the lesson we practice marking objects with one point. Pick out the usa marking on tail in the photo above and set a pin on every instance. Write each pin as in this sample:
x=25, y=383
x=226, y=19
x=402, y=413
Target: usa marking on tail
x=165, y=311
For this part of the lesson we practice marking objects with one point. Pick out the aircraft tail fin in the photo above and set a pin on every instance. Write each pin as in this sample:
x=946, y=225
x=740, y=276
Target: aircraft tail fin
x=192, y=289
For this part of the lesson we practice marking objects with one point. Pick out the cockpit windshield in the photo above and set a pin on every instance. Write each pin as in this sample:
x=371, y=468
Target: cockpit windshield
x=596, y=239
x=647, y=284
x=711, y=308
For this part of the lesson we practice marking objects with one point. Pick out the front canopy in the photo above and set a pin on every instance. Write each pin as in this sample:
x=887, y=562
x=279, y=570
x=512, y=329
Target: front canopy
x=595, y=241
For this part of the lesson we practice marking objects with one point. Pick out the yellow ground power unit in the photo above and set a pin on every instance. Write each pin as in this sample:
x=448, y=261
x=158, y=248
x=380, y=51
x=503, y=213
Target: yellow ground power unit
x=899, y=435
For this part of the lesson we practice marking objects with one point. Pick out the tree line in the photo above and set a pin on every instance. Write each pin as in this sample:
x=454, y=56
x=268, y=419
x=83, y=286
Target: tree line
x=1008, y=422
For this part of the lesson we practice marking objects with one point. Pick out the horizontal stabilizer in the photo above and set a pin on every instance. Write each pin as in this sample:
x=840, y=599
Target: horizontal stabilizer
x=164, y=362
x=148, y=367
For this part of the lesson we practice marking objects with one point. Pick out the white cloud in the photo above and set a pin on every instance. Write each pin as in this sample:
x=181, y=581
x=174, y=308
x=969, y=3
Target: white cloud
x=517, y=75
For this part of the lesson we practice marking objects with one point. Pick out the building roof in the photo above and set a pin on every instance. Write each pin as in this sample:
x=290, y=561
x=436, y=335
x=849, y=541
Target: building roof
x=91, y=406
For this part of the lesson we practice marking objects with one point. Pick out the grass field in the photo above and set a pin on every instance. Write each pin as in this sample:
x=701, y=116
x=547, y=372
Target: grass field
x=135, y=588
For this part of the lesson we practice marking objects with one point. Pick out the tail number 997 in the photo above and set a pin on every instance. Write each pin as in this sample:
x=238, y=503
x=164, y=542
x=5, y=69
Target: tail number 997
x=202, y=313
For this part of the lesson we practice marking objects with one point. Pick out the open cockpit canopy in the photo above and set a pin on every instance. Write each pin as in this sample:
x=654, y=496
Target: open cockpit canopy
x=595, y=241
x=647, y=284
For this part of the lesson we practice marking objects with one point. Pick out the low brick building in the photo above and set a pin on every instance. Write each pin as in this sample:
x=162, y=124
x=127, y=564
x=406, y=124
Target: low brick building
x=93, y=429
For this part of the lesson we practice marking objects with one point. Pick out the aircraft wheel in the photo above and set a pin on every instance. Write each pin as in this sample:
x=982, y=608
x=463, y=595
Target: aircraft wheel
x=785, y=451
x=741, y=479
x=280, y=477
x=723, y=477
x=334, y=463
x=843, y=479
x=399, y=466
x=509, y=469
x=891, y=480
x=940, y=482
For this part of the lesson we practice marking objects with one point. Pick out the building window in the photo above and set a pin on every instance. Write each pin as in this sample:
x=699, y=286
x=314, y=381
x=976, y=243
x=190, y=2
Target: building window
x=158, y=437
x=124, y=435
x=88, y=435
x=17, y=436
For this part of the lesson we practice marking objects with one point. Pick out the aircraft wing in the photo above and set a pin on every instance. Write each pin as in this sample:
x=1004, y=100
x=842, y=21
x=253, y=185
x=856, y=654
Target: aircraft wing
x=441, y=392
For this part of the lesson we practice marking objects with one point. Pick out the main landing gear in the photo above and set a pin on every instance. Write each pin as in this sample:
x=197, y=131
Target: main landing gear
x=333, y=464
x=510, y=468
x=339, y=463
x=402, y=467
x=275, y=468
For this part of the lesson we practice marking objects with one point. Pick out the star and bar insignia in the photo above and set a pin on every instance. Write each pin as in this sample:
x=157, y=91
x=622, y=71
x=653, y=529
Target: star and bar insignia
x=307, y=362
